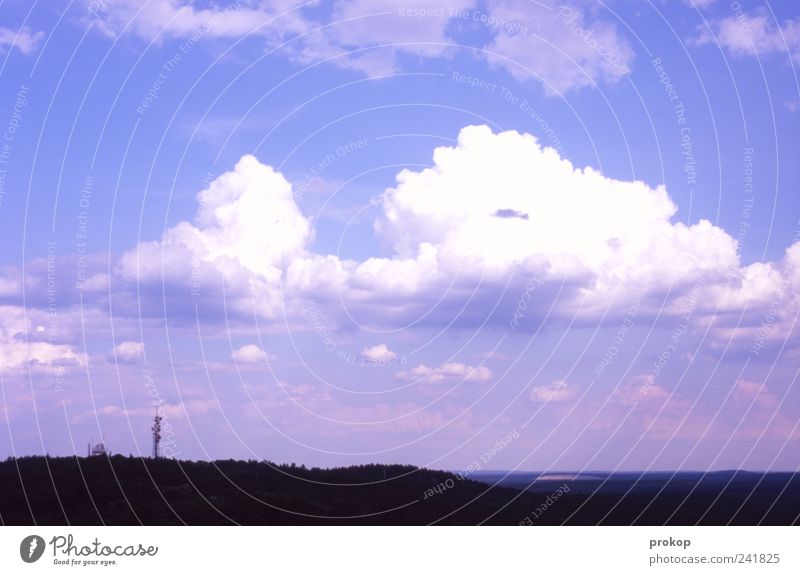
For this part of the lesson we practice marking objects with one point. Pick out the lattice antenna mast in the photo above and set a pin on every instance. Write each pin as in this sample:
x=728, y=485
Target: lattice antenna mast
x=157, y=435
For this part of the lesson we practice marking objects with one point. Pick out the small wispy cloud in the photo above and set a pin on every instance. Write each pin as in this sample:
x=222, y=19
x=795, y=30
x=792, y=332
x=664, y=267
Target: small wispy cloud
x=756, y=34
x=555, y=391
x=127, y=352
x=23, y=39
x=447, y=372
x=249, y=354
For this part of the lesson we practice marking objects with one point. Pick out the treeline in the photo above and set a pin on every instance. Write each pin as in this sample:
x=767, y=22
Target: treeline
x=120, y=490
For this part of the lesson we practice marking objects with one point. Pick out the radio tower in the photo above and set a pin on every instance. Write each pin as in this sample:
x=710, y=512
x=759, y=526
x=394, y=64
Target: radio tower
x=157, y=435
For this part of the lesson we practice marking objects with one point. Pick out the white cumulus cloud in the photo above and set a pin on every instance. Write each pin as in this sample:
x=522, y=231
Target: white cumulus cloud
x=250, y=354
x=247, y=229
x=24, y=340
x=380, y=353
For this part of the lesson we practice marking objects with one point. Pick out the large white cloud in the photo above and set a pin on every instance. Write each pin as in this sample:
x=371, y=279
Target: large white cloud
x=247, y=230
x=247, y=216
x=575, y=221
x=497, y=218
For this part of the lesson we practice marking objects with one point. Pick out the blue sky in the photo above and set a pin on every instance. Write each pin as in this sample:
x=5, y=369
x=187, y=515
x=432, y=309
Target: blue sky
x=340, y=232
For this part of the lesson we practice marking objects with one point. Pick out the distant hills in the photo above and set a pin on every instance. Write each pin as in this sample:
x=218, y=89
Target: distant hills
x=120, y=490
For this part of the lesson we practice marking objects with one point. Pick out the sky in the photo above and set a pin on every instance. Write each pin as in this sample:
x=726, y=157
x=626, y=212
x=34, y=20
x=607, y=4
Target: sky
x=485, y=234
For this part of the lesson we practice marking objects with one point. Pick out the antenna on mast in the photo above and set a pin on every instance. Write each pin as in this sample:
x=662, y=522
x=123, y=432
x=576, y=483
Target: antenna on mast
x=157, y=435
